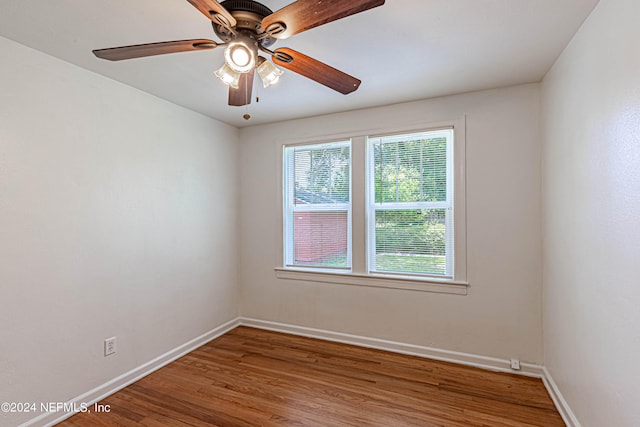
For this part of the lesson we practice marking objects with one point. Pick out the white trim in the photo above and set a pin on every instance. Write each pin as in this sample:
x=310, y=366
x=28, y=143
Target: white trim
x=289, y=207
x=358, y=136
x=402, y=136
x=372, y=207
x=483, y=362
x=467, y=359
x=460, y=199
x=120, y=382
x=417, y=283
x=562, y=406
x=389, y=206
x=416, y=126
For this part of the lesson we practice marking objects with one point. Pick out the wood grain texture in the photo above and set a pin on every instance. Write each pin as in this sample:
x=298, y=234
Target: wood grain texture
x=251, y=377
x=209, y=7
x=317, y=71
x=242, y=95
x=303, y=15
x=151, y=49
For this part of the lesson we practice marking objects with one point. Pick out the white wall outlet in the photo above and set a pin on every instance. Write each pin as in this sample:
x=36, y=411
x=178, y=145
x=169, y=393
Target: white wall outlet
x=515, y=364
x=109, y=346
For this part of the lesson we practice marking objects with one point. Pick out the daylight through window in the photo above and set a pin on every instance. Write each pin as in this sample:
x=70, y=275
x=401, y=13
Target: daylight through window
x=317, y=205
x=410, y=208
x=402, y=207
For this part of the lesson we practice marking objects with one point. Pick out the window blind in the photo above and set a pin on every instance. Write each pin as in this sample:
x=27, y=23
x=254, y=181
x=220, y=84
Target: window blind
x=317, y=205
x=410, y=211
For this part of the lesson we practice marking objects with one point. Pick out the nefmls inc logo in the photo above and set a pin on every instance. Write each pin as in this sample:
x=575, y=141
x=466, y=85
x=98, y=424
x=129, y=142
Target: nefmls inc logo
x=63, y=407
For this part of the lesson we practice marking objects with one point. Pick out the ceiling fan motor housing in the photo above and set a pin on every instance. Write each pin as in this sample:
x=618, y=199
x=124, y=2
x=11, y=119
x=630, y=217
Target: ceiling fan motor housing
x=248, y=15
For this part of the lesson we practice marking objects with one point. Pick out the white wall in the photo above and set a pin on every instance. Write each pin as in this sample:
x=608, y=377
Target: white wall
x=591, y=105
x=500, y=316
x=117, y=217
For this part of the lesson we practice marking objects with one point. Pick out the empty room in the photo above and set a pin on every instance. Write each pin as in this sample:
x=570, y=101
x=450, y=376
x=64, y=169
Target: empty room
x=319, y=213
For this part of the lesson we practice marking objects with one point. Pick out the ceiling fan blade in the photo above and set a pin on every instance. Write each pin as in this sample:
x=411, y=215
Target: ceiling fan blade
x=316, y=70
x=211, y=7
x=303, y=15
x=242, y=95
x=150, y=49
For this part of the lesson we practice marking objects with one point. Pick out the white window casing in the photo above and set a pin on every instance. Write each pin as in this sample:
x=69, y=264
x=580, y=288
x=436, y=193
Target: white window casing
x=410, y=209
x=317, y=206
x=359, y=266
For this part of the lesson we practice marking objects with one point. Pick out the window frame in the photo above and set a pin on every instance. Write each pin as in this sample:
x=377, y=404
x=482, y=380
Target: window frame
x=359, y=274
x=289, y=208
x=372, y=207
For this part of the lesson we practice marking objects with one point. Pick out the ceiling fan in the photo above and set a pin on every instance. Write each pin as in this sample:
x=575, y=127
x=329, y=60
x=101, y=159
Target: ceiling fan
x=246, y=28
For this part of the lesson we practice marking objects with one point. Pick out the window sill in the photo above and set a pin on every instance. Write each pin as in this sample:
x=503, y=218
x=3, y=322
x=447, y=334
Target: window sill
x=378, y=281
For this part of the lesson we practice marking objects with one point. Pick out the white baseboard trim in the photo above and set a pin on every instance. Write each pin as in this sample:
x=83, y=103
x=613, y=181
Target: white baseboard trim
x=567, y=414
x=468, y=359
x=483, y=362
x=110, y=387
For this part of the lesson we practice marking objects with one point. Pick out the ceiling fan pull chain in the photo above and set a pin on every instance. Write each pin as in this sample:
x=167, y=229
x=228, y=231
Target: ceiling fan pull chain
x=246, y=116
x=247, y=27
x=257, y=93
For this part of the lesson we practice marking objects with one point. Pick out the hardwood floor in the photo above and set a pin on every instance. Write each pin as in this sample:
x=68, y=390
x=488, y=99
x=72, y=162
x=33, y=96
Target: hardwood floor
x=251, y=377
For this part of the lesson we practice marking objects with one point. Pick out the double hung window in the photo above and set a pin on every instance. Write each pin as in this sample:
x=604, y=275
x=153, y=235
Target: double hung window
x=410, y=204
x=317, y=194
x=399, y=217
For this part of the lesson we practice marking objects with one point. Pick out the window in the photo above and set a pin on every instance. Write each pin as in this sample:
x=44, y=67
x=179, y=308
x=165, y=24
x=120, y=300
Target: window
x=379, y=210
x=410, y=204
x=317, y=220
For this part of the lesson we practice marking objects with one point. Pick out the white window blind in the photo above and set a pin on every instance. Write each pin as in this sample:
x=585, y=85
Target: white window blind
x=410, y=204
x=317, y=206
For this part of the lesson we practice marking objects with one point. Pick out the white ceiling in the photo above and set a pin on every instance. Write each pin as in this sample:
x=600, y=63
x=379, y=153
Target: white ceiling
x=404, y=50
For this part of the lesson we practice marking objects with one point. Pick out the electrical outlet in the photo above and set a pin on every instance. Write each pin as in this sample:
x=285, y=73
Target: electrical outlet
x=515, y=364
x=109, y=346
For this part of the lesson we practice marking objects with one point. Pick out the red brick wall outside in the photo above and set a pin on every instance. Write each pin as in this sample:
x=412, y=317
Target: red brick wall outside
x=319, y=235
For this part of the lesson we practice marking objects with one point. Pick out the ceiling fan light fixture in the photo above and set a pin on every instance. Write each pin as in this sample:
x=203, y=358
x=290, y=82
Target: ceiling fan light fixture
x=247, y=27
x=269, y=73
x=228, y=76
x=241, y=54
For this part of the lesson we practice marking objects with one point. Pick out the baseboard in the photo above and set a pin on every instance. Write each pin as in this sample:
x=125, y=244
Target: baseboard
x=478, y=361
x=567, y=414
x=483, y=362
x=468, y=359
x=110, y=387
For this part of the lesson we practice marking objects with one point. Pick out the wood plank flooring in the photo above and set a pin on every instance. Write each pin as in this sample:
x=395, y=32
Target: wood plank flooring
x=251, y=377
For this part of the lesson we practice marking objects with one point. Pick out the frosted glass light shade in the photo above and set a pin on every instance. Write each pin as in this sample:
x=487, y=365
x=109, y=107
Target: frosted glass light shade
x=228, y=76
x=268, y=72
